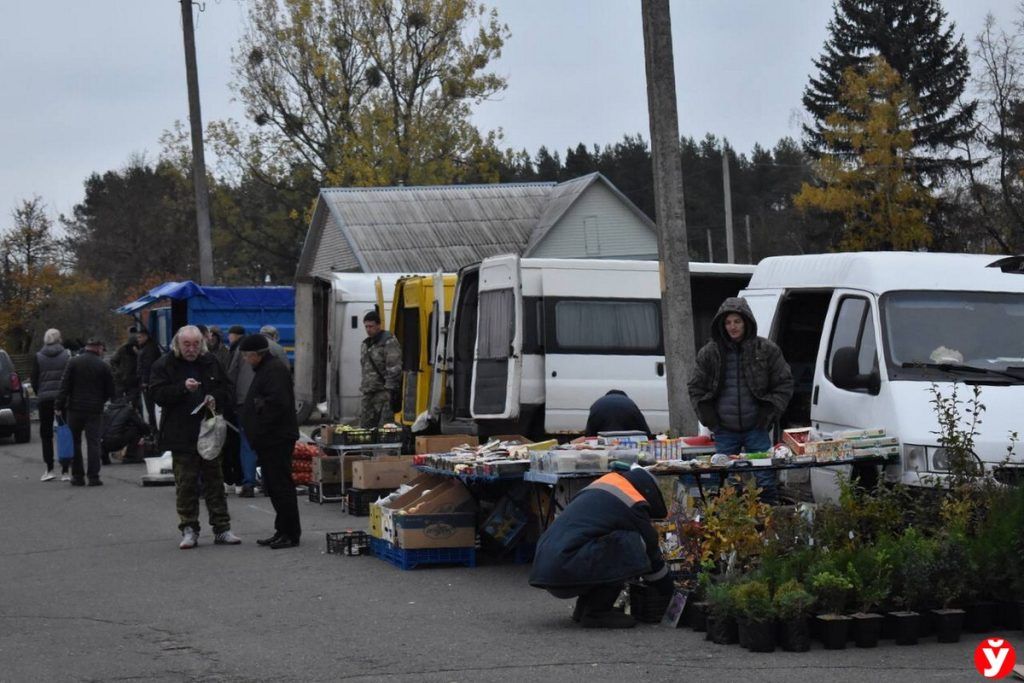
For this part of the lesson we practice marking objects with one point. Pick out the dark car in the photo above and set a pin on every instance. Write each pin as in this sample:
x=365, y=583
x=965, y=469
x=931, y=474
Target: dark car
x=14, y=406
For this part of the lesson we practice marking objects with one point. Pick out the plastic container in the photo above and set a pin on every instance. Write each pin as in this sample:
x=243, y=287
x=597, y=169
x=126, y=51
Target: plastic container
x=324, y=493
x=358, y=501
x=348, y=542
x=161, y=465
x=410, y=559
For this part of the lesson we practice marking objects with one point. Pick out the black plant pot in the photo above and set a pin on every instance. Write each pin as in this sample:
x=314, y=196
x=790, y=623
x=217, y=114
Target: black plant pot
x=742, y=632
x=647, y=604
x=1008, y=615
x=835, y=629
x=867, y=629
x=907, y=627
x=949, y=623
x=723, y=631
x=795, y=635
x=696, y=616
x=980, y=617
x=926, y=623
x=757, y=636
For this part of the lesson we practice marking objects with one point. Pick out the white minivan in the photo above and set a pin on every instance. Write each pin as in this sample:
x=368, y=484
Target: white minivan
x=532, y=343
x=328, y=335
x=869, y=335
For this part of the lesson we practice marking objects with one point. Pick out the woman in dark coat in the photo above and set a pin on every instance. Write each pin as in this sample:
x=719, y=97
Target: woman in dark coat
x=603, y=539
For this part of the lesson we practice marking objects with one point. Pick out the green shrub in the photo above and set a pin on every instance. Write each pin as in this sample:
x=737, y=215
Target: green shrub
x=831, y=591
x=719, y=598
x=791, y=601
x=753, y=601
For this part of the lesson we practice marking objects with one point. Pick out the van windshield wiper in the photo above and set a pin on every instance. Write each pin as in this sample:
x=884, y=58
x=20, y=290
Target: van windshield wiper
x=960, y=368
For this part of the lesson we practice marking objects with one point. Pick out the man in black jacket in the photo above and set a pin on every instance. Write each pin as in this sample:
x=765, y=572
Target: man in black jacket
x=85, y=388
x=603, y=539
x=182, y=382
x=615, y=412
x=268, y=420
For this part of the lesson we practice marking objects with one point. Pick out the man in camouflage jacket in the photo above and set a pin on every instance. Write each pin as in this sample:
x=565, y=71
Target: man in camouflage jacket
x=381, y=361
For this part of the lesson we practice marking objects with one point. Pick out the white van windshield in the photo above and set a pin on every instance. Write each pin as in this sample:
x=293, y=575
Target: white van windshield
x=973, y=335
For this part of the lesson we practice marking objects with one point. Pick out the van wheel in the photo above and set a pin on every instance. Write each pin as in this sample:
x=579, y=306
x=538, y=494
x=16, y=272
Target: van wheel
x=23, y=434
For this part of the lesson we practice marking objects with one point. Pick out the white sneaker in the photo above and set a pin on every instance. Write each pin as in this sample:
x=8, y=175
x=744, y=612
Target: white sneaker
x=48, y=475
x=189, y=539
x=65, y=477
x=238, y=489
x=226, y=538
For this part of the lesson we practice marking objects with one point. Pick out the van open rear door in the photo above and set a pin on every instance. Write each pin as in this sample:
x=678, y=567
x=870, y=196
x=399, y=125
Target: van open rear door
x=497, y=359
x=379, y=285
x=437, y=345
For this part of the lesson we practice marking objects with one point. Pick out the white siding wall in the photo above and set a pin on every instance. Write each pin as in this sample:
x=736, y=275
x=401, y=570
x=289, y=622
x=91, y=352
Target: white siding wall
x=598, y=225
x=333, y=252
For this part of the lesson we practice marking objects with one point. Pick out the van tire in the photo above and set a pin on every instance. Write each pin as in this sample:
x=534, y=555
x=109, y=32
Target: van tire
x=303, y=412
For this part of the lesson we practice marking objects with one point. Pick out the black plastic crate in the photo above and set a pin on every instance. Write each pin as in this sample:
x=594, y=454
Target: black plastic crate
x=356, y=437
x=325, y=493
x=348, y=542
x=390, y=435
x=358, y=501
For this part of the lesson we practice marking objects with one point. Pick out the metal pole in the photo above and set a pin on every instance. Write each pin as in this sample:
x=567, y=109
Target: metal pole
x=711, y=250
x=198, y=158
x=730, y=249
x=677, y=312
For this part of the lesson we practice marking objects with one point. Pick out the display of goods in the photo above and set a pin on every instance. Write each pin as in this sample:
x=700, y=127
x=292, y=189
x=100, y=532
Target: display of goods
x=347, y=435
x=859, y=433
x=304, y=451
x=796, y=438
x=390, y=433
x=826, y=451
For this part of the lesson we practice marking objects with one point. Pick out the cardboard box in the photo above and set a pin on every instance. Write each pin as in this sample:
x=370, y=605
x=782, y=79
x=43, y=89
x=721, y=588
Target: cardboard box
x=327, y=468
x=444, y=442
x=443, y=518
x=385, y=472
x=796, y=439
x=421, y=485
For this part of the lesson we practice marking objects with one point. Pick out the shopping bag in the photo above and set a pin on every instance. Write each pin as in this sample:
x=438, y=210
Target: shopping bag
x=65, y=444
x=213, y=431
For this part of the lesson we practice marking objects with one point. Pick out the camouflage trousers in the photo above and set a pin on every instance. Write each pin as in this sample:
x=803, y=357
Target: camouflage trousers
x=376, y=409
x=188, y=467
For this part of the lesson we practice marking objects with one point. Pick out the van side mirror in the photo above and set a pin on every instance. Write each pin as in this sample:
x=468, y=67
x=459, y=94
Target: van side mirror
x=845, y=375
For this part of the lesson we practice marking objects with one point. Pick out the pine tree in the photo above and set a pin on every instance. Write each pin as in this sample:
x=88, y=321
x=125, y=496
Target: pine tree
x=913, y=37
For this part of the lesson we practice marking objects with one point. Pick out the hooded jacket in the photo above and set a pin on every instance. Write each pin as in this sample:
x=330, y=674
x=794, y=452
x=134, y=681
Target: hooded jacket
x=605, y=535
x=48, y=369
x=761, y=369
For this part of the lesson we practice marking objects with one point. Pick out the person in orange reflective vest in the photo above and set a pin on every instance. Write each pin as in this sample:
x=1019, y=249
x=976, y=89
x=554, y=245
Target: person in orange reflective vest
x=603, y=539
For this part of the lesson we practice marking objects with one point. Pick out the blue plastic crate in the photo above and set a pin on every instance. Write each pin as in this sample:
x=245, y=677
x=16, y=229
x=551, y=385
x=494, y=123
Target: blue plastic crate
x=409, y=559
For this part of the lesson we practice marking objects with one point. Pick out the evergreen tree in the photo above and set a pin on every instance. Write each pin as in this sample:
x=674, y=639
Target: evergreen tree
x=549, y=166
x=914, y=39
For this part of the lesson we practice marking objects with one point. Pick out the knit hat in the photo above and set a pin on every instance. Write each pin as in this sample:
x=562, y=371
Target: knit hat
x=254, y=342
x=646, y=485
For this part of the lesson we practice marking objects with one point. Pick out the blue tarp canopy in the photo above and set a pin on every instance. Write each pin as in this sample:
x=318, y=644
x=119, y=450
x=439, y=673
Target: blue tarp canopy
x=231, y=297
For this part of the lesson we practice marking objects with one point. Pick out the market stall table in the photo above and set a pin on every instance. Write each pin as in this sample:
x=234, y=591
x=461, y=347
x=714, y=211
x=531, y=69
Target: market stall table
x=350, y=452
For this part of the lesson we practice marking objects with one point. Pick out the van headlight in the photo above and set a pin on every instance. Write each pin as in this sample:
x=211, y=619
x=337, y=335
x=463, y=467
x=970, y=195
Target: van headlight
x=934, y=459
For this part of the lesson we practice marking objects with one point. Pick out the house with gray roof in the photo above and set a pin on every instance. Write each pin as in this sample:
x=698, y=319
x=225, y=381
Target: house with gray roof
x=423, y=229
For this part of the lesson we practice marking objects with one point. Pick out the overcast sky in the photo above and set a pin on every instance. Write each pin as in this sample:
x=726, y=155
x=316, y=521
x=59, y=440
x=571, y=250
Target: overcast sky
x=87, y=84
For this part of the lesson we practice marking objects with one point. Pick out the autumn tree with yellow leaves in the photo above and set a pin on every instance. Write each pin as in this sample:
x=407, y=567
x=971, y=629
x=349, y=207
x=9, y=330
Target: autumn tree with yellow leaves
x=873, y=188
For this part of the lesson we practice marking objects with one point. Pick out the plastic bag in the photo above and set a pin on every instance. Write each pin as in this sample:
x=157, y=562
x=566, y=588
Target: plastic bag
x=65, y=442
x=213, y=431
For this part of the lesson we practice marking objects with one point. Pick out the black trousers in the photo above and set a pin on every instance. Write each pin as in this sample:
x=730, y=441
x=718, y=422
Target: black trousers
x=276, y=463
x=45, y=407
x=90, y=424
x=598, y=597
x=231, y=460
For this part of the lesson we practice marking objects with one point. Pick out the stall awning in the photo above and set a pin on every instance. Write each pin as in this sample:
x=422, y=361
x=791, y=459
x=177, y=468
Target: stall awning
x=168, y=290
x=235, y=297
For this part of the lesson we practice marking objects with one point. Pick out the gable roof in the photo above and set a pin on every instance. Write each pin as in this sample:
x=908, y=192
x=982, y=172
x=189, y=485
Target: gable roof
x=421, y=229
x=564, y=195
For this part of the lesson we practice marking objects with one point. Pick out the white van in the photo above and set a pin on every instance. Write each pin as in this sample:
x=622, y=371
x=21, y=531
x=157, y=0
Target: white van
x=868, y=336
x=532, y=343
x=328, y=333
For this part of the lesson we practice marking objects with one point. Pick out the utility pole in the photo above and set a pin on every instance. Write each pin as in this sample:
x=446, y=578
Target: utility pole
x=750, y=249
x=711, y=249
x=730, y=248
x=198, y=158
x=676, y=309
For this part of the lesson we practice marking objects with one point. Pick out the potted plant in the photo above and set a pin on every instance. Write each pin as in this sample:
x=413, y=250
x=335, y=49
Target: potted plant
x=870, y=572
x=721, y=610
x=912, y=561
x=792, y=607
x=831, y=591
x=951, y=568
x=755, y=615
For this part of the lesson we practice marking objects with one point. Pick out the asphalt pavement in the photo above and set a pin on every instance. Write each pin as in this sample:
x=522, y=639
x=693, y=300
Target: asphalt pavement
x=93, y=587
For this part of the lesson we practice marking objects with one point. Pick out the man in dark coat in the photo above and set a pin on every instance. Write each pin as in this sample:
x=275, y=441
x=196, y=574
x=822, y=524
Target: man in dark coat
x=182, y=382
x=741, y=386
x=148, y=353
x=125, y=366
x=615, y=412
x=603, y=539
x=268, y=420
x=85, y=388
x=47, y=372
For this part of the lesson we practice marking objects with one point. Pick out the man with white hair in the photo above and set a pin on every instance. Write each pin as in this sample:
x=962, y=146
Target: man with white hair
x=182, y=382
x=47, y=370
